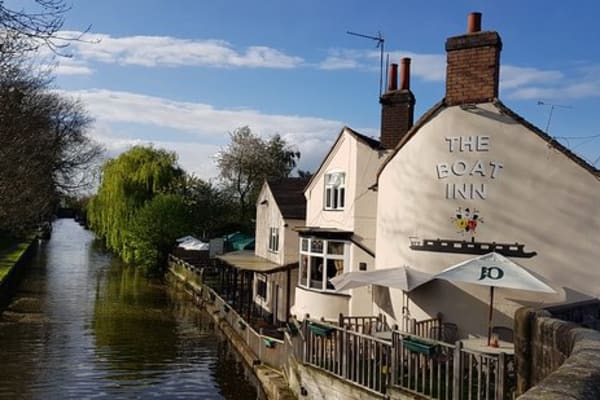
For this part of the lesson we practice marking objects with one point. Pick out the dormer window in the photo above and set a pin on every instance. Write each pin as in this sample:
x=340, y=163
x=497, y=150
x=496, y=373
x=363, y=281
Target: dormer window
x=335, y=190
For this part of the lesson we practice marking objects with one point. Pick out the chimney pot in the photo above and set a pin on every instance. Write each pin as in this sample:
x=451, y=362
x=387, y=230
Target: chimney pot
x=397, y=106
x=474, y=22
x=473, y=65
x=405, y=74
x=393, y=84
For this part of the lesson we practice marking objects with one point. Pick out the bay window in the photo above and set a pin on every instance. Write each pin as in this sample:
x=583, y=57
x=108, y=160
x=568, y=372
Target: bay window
x=335, y=191
x=321, y=260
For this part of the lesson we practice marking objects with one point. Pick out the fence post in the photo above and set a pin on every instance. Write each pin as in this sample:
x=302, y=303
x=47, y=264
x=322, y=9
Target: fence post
x=457, y=372
x=305, y=346
x=394, y=361
x=260, y=344
x=501, y=374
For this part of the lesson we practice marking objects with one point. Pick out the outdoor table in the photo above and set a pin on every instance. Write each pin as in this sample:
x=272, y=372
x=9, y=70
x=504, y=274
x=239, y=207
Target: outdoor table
x=480, y=345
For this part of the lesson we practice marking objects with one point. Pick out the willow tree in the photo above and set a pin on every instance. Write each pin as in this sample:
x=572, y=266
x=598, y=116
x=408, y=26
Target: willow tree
x=128, y=182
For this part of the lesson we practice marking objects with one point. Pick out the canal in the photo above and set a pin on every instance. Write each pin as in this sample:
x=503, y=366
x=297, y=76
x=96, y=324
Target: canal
x=82, y=325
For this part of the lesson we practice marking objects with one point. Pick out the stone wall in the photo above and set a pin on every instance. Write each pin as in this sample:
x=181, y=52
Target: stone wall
x=555, y=359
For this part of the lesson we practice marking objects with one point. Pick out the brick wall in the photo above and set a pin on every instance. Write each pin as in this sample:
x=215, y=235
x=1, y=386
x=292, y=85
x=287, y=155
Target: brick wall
x=473, y=65
x=555, y=359
x=397, y=109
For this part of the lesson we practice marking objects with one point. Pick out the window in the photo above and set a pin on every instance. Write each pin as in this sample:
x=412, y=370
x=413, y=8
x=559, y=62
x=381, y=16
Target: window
x=262, y=291
x=320, y=260
x=274, y=240
x=335, y=190
x=261, y=287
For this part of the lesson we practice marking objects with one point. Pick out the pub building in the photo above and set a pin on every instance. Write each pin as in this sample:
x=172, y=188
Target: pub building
x=471, y=177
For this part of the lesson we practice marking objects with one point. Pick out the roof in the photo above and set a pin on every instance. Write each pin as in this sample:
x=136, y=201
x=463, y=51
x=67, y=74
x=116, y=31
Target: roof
x=334, y=233
x=328, y=233
x=372, y=143
x=433, y=111
x=369, y=141
x=551, y=141
x=248, y=261
x=239, y=241
x=289, y=196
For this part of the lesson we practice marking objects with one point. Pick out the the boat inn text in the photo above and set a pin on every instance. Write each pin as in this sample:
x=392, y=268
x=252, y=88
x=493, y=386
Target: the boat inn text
x=489, y=169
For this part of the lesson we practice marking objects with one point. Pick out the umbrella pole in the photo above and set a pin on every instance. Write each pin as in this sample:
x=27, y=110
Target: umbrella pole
x=491, y=315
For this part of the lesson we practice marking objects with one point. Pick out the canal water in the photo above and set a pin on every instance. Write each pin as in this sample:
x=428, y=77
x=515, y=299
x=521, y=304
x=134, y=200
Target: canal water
x=82, y=325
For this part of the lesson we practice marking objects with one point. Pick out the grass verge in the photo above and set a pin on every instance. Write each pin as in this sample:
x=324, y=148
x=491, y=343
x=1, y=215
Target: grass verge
x=10, y=252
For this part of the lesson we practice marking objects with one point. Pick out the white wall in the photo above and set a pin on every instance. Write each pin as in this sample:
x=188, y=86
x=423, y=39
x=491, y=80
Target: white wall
x=539, y=198
x=360, y=163
x=319, y=304
x=268, y=215
x=342, y=158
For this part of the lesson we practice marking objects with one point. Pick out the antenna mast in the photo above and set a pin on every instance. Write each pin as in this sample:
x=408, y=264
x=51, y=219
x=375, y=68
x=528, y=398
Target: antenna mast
x=380, y=44
x=552, y=107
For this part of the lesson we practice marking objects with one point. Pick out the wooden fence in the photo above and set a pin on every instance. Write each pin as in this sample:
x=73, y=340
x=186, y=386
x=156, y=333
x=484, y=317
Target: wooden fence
x=428, y=368
x=364, y=324
x=268, y=350
x=428, y=328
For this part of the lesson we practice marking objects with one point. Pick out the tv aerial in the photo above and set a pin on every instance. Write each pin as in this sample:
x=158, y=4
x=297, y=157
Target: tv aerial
x=380, y=45
x=552, y=107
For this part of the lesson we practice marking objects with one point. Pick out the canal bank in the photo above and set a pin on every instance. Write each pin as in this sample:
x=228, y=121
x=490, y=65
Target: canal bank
x=272, y=382
x=13, y=257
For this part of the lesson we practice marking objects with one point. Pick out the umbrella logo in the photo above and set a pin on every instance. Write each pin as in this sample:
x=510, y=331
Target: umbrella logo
x=493, y=273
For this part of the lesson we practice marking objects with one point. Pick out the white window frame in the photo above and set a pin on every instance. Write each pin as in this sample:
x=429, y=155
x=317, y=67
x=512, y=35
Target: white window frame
x=258, y=299
x=310, y=255
x=273, y=245
x=335, y=190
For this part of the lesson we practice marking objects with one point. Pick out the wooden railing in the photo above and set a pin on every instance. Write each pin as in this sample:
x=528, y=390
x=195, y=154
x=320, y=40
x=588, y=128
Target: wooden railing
x=428, y=368
x=486, y=376
x=267, y=349
x=429, y=328
x=364, y=324
x=424, y=367
x=353, y=356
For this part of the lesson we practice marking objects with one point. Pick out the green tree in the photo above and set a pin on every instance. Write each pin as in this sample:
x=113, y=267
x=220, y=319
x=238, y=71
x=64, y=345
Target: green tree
x=247, y=161
x=211, y=209
x=154, y=229
x=45, y=149
x=128, y=182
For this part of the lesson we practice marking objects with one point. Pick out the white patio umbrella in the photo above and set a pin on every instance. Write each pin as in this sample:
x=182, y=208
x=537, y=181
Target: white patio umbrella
x=494, y=270
x=404, y=278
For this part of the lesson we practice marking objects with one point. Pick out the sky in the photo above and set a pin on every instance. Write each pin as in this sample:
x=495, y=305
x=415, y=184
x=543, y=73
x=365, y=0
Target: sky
x=183, y=74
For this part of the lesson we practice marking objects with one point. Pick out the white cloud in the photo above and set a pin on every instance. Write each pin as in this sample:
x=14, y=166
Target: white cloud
x=345, y=59
x=569, y=91
x=432, y=67
x=202, y=119
x=583, y=81
x=205, y=127
x=194, y=157
x=69, y=66
x=513, y=77
x=429, y=67
x=167, y=51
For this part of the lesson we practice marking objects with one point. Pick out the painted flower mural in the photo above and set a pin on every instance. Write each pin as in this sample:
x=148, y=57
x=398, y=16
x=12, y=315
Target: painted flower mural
x=466, y=220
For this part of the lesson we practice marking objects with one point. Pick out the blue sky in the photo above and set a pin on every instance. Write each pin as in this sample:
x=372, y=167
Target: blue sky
x=182, y=74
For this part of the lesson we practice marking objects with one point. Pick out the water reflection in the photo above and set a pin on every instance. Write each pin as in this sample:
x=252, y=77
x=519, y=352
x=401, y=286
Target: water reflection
x=81, y=325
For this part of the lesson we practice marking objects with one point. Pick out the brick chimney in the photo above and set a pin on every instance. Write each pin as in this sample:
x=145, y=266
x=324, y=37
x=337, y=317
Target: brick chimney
x=397, y=106
x=473, y=66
